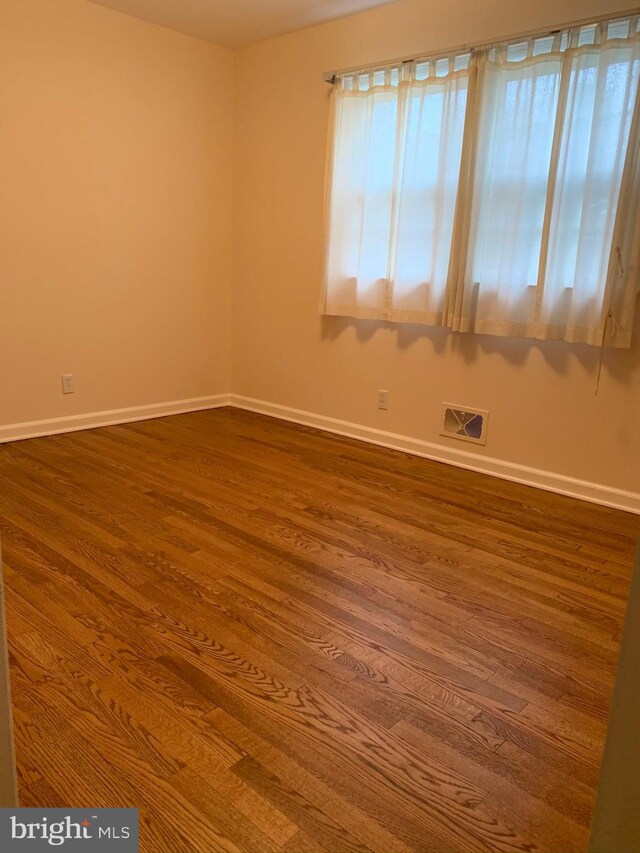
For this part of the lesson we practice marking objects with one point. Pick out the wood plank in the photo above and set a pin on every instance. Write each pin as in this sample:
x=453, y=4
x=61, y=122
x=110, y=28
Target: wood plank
x=270, y=638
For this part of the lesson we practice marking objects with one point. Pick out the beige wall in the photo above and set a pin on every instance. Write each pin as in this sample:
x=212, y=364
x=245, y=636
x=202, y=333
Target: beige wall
x=116, y=141
x=616, y=818
x=540, y=396
x=8, y=781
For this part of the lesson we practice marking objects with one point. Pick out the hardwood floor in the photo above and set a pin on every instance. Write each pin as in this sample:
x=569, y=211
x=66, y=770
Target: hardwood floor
x=273, y=639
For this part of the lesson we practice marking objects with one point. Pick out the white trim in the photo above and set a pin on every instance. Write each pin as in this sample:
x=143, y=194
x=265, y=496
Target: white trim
x=74, y=423
x=548, y=480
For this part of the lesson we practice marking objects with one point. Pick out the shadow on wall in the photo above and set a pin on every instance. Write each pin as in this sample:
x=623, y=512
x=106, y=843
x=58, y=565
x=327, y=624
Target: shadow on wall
x=618, y=364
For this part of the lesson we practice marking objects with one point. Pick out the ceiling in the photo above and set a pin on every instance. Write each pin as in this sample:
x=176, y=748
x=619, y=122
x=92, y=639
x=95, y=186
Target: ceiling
x=237, y=22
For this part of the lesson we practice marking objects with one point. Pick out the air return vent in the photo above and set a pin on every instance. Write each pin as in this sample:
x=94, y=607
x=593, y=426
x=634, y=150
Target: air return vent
x=465, y=424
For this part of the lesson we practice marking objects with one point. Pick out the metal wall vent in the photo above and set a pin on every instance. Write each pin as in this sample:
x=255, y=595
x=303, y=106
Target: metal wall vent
x=465, y=424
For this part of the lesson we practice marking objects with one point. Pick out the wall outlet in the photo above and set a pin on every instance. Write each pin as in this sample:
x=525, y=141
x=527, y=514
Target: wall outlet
x=67, y=384
x=383, y=400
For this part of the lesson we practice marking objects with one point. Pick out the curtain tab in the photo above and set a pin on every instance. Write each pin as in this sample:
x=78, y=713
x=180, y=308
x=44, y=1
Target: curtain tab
x=601, y=32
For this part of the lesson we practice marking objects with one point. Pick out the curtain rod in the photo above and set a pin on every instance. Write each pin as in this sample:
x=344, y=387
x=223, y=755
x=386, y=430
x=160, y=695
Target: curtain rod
x=331, y=76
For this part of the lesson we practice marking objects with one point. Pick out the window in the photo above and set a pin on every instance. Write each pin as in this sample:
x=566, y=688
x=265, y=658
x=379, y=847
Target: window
x=492, y=191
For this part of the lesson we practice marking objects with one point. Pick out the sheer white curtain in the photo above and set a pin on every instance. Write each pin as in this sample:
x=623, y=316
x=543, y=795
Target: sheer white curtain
x=397, y=142
x=496, y=192
x=552, y=134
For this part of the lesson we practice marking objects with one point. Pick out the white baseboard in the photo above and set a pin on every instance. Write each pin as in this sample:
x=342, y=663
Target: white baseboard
x=548, y=480
x=552, y=482
x=74, y=423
